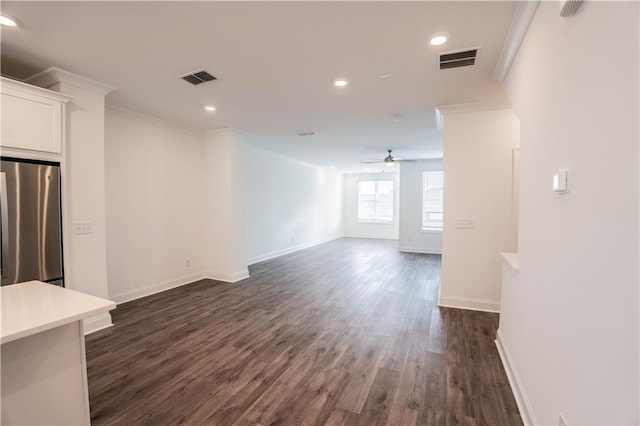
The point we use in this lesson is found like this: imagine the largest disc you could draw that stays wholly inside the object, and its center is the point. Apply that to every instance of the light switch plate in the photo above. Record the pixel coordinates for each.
(463, 223)
(560, 181)
(81, 228)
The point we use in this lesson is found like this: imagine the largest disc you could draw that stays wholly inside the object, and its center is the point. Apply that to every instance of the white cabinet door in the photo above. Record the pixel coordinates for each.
(32, 117)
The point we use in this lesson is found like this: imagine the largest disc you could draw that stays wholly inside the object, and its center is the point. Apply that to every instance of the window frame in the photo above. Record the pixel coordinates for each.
(430, 229)
(393, 202)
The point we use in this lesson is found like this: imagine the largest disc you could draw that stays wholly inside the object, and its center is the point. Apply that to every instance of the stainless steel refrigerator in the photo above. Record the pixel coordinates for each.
(30, 210)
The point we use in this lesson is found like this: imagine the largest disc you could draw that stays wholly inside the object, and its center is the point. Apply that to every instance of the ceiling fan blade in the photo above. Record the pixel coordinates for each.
(372, 162)
(410, 159)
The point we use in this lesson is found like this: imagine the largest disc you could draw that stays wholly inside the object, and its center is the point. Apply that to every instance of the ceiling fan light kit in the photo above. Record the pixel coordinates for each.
(390, 160)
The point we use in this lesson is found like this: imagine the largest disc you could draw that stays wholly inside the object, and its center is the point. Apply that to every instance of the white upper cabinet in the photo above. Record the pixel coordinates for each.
(33, 118)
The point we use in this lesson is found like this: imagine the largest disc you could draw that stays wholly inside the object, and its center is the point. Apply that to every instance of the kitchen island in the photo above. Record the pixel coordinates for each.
(43, 374)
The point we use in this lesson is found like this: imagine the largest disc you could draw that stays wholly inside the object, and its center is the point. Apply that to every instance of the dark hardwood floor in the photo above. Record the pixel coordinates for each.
(348, 332)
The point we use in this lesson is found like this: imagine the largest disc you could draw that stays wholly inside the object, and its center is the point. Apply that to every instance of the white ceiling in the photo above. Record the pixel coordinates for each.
(275, 62)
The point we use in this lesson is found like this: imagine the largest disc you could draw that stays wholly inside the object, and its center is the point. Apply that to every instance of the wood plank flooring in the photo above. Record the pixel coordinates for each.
(348, 332)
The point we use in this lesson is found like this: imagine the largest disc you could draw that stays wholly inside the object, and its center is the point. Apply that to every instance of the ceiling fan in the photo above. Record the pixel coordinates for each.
(389, 160)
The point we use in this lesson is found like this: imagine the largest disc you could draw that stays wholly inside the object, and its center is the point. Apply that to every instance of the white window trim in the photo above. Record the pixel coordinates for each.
(431, 230)
(376, 222)
(422, 228)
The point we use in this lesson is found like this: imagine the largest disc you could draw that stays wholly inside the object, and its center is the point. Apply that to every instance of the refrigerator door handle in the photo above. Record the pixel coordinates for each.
(4, 212)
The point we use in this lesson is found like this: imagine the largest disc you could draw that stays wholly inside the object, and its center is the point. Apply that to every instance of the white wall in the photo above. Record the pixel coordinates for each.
(478, 149)
(355, 229)
(573, 337)
(226, 205)
(290, 206)
(155, 186)
(412, 237)
(83, 184)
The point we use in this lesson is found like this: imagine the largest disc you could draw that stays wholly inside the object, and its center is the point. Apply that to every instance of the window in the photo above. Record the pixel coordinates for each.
(432, 196)
(375, 200)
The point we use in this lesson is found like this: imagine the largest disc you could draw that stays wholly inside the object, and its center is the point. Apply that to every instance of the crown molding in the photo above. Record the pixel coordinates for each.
(230, 132)
(522, 17)
(53, 75)
(30, 88)
(442, 110)
(153, 121)
(290, 159)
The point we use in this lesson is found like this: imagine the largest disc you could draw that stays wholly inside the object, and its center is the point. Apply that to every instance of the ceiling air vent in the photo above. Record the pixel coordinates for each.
(198, 77)
(306, 133)
(458, 59)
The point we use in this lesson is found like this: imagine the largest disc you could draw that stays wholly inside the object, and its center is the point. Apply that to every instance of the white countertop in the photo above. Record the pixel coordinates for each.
(511, 260)
(32, 307)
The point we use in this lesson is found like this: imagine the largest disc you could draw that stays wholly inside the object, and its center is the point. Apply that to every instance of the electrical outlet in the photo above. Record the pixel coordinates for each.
(562, 421)
(81, 228)
(465, 223)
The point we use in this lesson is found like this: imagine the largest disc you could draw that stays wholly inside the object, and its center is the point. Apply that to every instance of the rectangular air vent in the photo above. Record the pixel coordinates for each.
(458, 59)
(198, 77)
(306, 133)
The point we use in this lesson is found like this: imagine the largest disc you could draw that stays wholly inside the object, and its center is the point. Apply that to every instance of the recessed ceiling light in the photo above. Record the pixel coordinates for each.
(340, 82)
(383, 76)
(209, 108)
(437, 40)
(7, 21)
(333, 167)
(366, 169)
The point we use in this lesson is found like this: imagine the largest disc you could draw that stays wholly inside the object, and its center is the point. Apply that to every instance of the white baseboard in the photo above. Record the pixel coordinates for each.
(278, 253)
(524, 406)
(420, 250)
(99, 322)
(228, 278)
(156, 288)
(373, 236)
(470, 304)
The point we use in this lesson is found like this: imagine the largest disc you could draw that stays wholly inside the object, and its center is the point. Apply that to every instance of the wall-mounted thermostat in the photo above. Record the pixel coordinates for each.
(560, 181)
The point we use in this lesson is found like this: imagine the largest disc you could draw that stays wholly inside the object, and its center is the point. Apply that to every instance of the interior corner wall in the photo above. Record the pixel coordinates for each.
(411, 236)
(290, 206)
(477, 148)
(353, 228)
(155, 209)
(573, 337)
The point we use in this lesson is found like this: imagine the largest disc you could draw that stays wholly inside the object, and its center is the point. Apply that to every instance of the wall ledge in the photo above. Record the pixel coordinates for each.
(524, 406)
